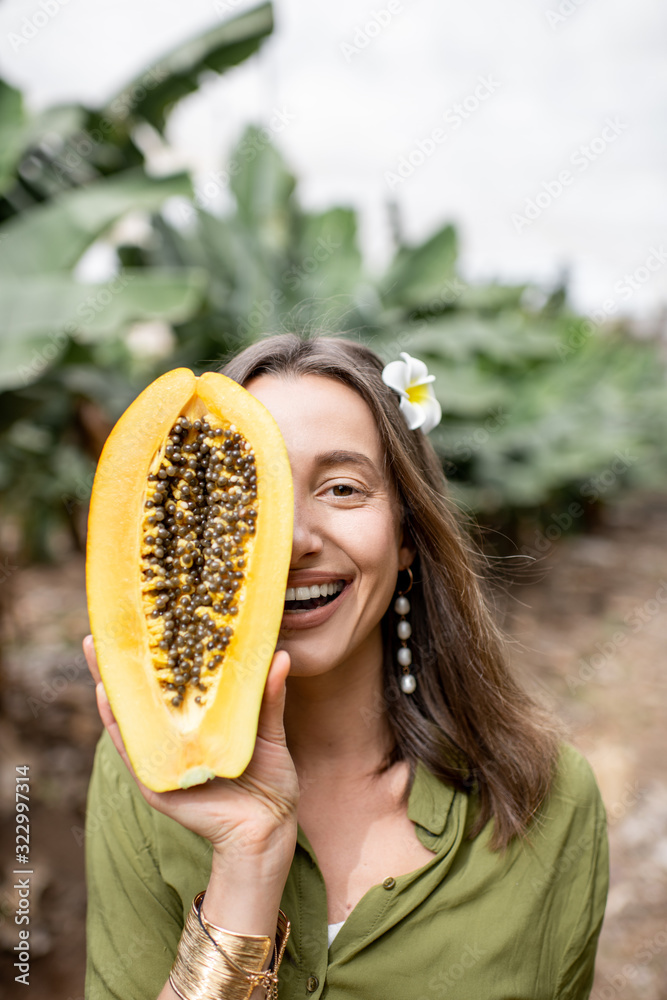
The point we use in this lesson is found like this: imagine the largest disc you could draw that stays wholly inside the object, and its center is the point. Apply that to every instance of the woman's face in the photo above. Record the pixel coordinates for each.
(347, 535)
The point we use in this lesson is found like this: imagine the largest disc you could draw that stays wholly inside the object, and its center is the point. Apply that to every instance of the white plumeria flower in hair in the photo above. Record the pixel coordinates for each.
(411, 380)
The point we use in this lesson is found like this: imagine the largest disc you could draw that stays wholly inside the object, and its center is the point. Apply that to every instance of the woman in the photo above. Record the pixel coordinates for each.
(403, 790)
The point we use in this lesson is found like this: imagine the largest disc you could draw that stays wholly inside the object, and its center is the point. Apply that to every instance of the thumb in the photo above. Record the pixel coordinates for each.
(271, 726)
(91, 658)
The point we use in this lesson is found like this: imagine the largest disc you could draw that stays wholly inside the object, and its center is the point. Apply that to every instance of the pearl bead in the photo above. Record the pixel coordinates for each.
(404, 656)
(408, 683)
(401, 605)
(404, 630)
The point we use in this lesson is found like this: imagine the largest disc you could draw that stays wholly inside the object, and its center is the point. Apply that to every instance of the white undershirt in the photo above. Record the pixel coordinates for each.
(332, 930)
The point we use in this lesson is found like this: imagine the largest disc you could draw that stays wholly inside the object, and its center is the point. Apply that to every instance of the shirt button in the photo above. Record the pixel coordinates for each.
(389, 883)
(312, 983)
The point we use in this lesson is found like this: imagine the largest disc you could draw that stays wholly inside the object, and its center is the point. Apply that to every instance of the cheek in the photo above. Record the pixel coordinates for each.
(372, 544)
(370, 539)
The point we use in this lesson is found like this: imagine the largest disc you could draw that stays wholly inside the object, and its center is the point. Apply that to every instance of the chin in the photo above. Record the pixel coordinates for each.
(304, 665)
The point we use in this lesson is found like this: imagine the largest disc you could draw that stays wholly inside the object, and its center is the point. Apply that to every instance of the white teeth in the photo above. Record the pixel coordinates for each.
(315, 590)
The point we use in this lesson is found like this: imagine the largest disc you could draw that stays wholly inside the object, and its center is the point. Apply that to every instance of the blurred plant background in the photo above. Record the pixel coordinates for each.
(545, 411)
(536, 399)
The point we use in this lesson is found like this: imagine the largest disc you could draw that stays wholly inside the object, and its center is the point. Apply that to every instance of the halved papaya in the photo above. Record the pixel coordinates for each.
(189, 545)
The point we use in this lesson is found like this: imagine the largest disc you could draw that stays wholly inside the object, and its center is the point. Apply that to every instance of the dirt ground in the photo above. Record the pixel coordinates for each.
(589, 634)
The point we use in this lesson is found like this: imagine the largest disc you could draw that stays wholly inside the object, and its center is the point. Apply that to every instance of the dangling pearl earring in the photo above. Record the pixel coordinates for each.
(404, 630)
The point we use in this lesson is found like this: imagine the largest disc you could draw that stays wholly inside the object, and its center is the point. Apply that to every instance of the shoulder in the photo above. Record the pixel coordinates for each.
(114, 798)
(134, 916)
(569, 834)
(574, 775)
(116, 809)
(111, 775)
(120, 821)
(574, 794)
(571, 878)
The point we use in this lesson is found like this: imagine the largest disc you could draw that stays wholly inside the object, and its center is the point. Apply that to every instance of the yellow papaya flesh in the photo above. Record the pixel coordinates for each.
(188, 552)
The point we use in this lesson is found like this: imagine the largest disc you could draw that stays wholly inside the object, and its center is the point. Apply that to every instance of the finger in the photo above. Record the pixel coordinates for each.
(91, 658)
(104, 707)
(271, 725)
(109, 720)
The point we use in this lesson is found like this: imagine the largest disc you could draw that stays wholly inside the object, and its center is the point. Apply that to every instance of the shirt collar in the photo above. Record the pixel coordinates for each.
(430, 801)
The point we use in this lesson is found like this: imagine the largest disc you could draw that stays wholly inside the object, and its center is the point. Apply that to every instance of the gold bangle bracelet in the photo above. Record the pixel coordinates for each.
(213, 962)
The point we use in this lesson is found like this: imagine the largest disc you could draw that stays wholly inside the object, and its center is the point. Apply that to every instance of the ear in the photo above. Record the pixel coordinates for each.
(407, 549)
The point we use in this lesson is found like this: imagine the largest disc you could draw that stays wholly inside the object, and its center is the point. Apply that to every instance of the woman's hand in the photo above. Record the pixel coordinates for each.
(249, 820)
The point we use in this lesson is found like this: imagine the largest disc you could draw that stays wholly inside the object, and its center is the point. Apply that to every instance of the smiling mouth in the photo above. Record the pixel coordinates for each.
(294, 605)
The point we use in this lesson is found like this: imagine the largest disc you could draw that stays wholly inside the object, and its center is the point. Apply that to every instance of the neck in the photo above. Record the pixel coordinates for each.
(335, 723)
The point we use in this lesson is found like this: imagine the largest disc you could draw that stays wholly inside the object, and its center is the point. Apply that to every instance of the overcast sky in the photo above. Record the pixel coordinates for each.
(537, 126)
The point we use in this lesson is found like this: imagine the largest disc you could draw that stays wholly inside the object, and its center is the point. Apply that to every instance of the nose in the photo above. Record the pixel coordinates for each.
(307, 539)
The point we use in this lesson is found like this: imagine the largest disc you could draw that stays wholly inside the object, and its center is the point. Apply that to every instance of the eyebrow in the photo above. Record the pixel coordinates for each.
(330, 458)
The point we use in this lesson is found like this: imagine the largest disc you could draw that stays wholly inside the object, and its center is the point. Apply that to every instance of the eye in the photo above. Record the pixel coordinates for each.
(343, 490)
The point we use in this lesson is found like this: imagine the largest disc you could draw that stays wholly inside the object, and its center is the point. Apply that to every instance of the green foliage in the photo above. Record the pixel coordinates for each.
(53, 236)
(416, 275)
(152, 95)
(539, 404)
(67, 367)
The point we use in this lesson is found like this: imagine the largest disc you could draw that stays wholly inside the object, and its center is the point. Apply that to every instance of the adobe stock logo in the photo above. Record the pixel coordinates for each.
(555, 187)
(453, 117)
(367, 32)
(564, 9)
(32, 25)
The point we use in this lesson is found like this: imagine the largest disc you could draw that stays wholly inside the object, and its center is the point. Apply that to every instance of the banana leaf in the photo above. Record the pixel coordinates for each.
(53, 236)
(152, 94)
(43, 313)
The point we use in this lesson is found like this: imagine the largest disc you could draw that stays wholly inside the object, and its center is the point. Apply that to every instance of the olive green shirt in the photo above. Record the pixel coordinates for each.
(471, 924)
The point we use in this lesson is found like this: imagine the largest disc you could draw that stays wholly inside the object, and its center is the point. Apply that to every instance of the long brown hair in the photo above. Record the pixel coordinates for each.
(469, 722)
